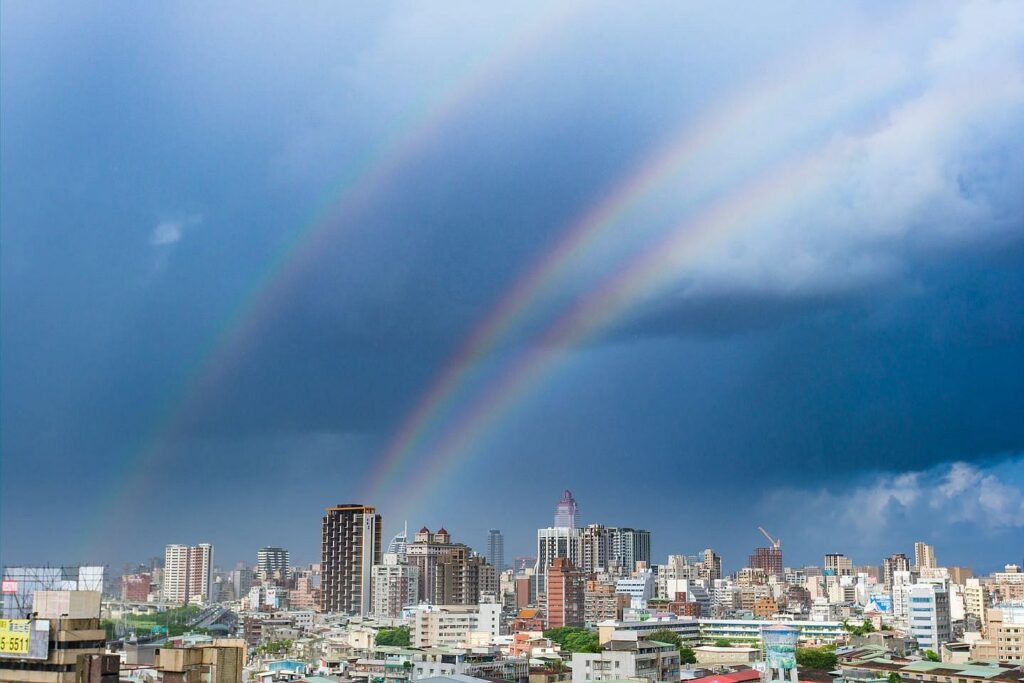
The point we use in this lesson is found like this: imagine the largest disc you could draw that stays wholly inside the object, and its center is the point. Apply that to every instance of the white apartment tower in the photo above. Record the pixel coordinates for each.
(188, 571)
(395, 586)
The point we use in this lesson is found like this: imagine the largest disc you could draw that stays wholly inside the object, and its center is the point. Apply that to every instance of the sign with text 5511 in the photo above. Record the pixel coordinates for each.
(24, 638)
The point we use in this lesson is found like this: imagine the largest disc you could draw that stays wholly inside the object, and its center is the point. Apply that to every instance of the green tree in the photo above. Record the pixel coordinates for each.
(723, 642)
(932, 656)
(393, 636)
(894, 677)
(574, 639)
(817, 658)
(663, 635)
(687, 655)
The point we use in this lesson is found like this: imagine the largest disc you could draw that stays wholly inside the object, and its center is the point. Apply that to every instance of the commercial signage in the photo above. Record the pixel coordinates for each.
(10, 587)
(24, 638)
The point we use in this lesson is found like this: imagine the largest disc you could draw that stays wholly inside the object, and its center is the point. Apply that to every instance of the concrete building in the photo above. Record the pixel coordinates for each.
(713, 656)
(748, 631)
(602, 603)
(566, 595)
(188, 573)
(450, 573)
(630, 546)
(350, 546)
(639, 587)
(271, 561)
(628, 657)
(688, 629)
(552, 543)
(896, 562)
(395, 586)
(928, 618)
(67, 625)
(711, 566)
(1004, 634)
(838, 564)
(135, 587)
(767, 559)
(924, 556)
(976, 601)
(453, 625)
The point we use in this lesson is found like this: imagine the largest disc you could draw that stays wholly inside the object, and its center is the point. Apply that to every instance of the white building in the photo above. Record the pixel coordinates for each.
(628, 657)
(452, 625)
(687, 628)
(639, 588)
(928, 617)
(556, 542)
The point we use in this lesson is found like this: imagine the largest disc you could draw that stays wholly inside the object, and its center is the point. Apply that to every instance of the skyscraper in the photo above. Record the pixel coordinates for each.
(630, 546)
(711, 566)
(552, 543)
(496, 549)
(351, 545)
(270, 560)
(566, 511)
(924, 556)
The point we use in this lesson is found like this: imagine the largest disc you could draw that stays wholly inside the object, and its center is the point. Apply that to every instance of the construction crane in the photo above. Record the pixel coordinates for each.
(776, 542)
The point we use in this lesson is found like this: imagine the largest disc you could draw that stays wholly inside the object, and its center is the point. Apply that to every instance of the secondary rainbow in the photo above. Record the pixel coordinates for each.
(687, 147)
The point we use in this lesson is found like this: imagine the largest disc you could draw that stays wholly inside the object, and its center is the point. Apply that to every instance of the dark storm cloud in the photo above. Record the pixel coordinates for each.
(159, 162)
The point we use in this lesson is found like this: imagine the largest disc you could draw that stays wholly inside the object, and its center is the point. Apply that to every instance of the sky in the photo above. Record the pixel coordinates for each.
(711, 266)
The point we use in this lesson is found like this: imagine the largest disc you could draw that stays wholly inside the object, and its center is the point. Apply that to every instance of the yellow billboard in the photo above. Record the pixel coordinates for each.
(15, 636)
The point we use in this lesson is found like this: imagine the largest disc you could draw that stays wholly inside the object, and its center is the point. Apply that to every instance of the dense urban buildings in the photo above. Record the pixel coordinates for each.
(350, 547)
(566, 594)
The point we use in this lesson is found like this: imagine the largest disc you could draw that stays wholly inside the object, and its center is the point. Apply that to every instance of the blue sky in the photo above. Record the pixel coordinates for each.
(830, 343)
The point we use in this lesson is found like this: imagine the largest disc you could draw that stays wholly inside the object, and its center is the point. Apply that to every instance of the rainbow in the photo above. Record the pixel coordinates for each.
(773, 190)
(688, 148)
(265, 295)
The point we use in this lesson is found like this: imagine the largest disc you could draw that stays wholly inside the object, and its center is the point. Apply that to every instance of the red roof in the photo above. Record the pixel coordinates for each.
(424, 530)
(734, 677)
(442, 530)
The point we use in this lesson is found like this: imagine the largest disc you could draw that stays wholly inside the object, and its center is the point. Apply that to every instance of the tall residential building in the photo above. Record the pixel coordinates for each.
(552, 543)
(976, 601)
(897, 562)
(449, 573)
(496, 549)
(566, 511)
(270, 560)
(566, 594)
(630, 546)
(768, 559)
(924, 555)
(200, 572)
(350, 546)
(595, 548)
(928, 617)
(1004, 634)
(188, 573)
(176, 574)
(395, 586)
(838, 564)
(711, 566)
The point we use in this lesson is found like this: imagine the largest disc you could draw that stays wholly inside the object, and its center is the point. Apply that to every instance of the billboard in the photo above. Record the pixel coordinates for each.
(780, 646)
(9, 587)
(881, 603)
(24, 638)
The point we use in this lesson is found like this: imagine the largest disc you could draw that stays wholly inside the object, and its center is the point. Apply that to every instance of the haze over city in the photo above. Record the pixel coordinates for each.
(711, 267)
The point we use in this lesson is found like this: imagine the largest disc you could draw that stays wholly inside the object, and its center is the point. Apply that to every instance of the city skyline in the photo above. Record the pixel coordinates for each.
(709, 267)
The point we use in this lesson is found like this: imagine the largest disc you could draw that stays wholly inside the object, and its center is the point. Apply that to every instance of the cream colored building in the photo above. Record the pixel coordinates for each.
(1004, 634)
(710, 655)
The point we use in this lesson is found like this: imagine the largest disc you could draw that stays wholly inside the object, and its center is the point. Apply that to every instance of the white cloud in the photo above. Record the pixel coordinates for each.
(167, 232)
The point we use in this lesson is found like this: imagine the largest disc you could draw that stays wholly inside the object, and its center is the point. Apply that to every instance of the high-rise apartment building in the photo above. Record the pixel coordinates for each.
(188, 573)
(395, 586)
(768, 559)
(838, 564)
(496, 549)
(566, 594)
(566, 511)
(270, 561)
(924, 556)
(449, 573)
(711, 566)
(630, 546)
(552, 543)
(350, 546)
(897, 562)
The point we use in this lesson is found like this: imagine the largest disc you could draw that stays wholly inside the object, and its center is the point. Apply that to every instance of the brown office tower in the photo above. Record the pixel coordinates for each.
(566, 594)
(351, 546)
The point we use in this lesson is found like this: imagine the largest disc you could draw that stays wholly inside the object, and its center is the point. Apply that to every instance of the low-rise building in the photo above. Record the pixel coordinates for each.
(452, 625)
(630, 657)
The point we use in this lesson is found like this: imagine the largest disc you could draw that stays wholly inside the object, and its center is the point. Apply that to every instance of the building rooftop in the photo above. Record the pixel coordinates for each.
(731, 677)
